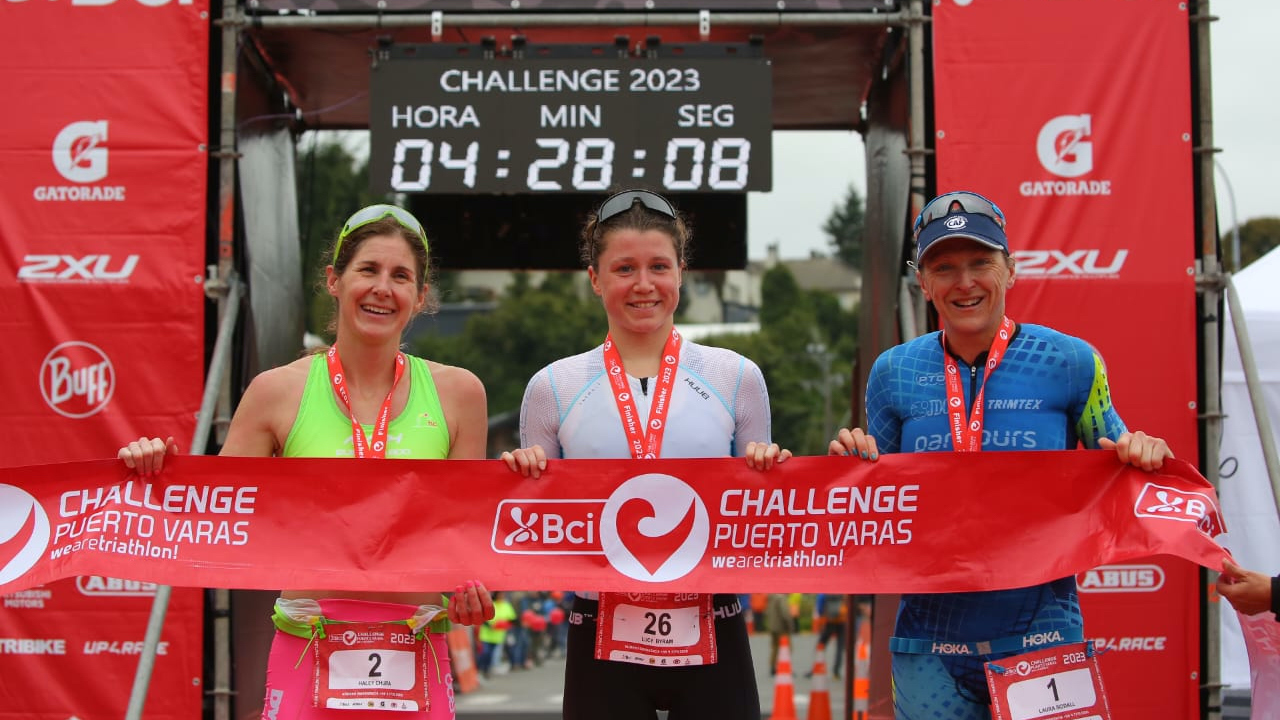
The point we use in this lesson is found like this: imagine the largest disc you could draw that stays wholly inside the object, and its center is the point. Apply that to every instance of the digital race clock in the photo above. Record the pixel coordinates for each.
(512, 125)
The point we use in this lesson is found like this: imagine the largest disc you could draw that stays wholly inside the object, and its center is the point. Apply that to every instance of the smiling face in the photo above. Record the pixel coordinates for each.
(637, 276)
(379, 291)
(966, 282)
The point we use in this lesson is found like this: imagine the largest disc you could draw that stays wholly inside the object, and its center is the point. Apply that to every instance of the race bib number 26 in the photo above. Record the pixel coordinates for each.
(1058, 683)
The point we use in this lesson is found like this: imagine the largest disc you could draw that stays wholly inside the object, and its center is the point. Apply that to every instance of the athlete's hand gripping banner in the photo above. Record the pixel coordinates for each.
(908, 523)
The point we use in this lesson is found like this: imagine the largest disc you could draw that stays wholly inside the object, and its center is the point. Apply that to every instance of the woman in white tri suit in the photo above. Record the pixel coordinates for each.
(683, 400)
(367, 399)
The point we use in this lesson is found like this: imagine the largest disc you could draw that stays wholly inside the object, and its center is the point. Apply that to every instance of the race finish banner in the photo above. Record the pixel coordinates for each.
(1100, 209)
(908, 523)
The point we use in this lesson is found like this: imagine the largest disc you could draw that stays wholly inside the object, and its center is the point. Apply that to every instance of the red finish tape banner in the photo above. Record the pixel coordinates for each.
(931, 522)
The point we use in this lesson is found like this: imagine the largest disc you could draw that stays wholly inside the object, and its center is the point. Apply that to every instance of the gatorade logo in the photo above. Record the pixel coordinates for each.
(24, 532)
(654, 528)
(1063, 146)
(80, 152)
(77, 379)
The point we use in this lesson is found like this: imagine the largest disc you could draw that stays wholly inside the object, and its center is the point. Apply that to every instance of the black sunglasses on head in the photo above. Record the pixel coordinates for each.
(621, 202)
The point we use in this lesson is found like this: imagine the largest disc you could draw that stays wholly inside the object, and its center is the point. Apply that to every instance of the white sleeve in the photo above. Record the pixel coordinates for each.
(750, 409)
(540, 416)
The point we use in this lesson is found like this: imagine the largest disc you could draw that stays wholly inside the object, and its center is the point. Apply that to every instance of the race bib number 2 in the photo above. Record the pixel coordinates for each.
(374, 666)
(1058, 683)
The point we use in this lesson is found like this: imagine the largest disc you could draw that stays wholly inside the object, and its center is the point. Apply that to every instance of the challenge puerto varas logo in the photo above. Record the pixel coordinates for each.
(79, 154)
(652, 528)
(77, 379)
(24, 532)
(1064, 147)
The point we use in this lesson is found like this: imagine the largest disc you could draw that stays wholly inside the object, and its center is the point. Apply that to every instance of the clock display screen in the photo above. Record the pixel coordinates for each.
(463, 126)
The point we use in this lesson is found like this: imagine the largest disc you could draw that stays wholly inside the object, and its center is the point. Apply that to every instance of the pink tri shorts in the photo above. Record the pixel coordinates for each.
(289, 689)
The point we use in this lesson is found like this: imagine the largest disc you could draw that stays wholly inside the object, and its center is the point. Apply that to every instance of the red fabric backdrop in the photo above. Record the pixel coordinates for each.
(1076, 119)
(101, 250)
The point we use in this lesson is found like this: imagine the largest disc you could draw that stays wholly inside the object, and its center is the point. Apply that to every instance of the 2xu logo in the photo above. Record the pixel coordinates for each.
(1121, 578)
(1077, 263)
(69, 268)
(77, 379)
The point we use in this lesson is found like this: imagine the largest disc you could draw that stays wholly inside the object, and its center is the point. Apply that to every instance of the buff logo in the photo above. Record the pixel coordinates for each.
(79, 154)
(944, 648)
(24, 532)
(1044, 638)
(1167, 503)
(77, 379)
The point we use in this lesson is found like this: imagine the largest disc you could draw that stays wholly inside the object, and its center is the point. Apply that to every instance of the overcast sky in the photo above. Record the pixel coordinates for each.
(812, 169)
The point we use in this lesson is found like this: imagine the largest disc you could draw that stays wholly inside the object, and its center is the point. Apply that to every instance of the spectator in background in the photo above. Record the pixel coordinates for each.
(833, 612)
(779, 622)
(493, 633)
(1249, 592)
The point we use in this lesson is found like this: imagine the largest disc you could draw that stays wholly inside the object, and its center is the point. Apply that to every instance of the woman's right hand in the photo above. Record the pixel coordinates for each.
(529, 462)
(146, 455)
(855, 442)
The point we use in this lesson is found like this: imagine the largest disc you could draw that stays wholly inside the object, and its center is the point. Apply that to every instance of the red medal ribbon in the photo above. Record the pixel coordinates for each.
(378, 447)
(643, 443)
(967, 436)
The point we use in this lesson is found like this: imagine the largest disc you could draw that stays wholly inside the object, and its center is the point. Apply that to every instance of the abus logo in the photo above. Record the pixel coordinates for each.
(1166, 503)
(24, 532)
(547, 527)
(1121, 578)
(77, 379)
(1062, 146)
(100, 586)
(69, 268)
(1075, 265)
(654, 528)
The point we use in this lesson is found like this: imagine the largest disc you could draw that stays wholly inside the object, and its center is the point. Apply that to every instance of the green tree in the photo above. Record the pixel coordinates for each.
(845, 226)
(1257, 237)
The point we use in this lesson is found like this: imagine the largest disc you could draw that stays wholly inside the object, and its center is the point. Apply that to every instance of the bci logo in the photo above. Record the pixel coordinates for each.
(1077, 263)
(1121, 578)
(556, 527)
(69, 268)
(1167, 503)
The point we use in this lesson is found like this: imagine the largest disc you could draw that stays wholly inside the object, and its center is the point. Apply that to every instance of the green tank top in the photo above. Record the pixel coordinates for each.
(322, 430)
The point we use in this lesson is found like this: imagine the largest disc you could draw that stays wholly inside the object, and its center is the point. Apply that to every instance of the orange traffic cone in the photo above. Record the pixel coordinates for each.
(784, 701)
(862, 671)
(819, 696)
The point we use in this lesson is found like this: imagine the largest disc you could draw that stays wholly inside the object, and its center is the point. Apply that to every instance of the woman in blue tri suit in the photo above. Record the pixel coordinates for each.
(982, 383)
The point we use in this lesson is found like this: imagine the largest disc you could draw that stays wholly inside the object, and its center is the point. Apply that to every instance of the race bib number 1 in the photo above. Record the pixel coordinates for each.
(373, 666)
(661, 629)
(1058, 683)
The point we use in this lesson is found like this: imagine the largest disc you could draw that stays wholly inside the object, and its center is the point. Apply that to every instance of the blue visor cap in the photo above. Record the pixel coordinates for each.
(974, 226)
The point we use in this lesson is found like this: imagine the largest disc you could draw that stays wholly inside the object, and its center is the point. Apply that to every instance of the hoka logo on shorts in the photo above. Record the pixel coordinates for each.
(946, 648)
(548, 527)
(1043, 638)
(24, 532)
(1167, 503)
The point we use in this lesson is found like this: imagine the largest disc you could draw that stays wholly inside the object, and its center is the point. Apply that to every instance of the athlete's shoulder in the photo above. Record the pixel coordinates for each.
(454, 382)
(713, 355)
(1070, 346)
(916, 348)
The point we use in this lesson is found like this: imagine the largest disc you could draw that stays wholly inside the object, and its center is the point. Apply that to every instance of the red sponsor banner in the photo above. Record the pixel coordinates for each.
(1081, 131)
(69, 649)
(102, 246)
(908, 523)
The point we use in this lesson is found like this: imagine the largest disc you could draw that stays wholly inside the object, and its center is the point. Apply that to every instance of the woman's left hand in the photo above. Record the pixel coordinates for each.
(762, 456)
(1139, 450)
(470, 604)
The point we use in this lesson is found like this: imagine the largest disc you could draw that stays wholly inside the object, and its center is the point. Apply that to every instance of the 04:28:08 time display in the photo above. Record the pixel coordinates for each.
(584, 164)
